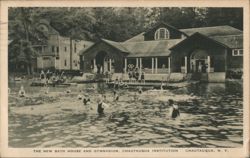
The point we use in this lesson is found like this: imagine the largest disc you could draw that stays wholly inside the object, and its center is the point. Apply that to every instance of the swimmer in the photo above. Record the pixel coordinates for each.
(100, 108)
(21, 92)
(161, 86)
(174, 110)
(86, 101)
(140, 90)
(116, 96)
(47, 90)
(104, 97)
(79, 97)
(135, 97)
(68, 91)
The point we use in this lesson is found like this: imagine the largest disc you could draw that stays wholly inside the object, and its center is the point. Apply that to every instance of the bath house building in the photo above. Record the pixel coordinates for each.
(165, 50)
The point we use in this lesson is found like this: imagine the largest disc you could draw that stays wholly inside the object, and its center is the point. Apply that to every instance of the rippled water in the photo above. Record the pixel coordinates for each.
(211, 116)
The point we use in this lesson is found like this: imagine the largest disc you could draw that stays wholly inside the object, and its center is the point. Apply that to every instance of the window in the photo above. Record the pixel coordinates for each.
(75, 47)
(53, 49)
(161, 33)
(65, 49)
(57, 49)
(65, 62)
(57, 58)
(237, 52)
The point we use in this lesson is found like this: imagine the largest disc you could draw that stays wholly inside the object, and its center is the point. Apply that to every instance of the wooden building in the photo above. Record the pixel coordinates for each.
(164, 49)
(60, 53)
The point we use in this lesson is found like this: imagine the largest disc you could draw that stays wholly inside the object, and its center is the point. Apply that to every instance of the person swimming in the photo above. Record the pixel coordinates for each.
(68, 91)
(116, 96)
(79, 97)
(135, 96)
(140, 90)
(47, 90)
(174, 111)
(100, 108)
(21, 92)
(86, 101)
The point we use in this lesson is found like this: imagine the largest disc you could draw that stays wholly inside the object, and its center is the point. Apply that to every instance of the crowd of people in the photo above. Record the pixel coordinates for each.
(101, 100)
(52, 77)
(134, 75)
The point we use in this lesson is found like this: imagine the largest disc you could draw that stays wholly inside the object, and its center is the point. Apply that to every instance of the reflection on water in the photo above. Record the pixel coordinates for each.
(213, 119)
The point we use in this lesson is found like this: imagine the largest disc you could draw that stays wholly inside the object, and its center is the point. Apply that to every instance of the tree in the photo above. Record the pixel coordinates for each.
(225, 16)
(24, 36)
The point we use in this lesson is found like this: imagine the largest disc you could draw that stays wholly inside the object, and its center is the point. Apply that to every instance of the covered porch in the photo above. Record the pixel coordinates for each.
(148, 65)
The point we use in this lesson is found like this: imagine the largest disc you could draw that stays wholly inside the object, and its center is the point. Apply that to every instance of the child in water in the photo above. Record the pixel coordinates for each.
(21, 92)
(174, 110)
(116, 96)
(86, 100)
(100, 108)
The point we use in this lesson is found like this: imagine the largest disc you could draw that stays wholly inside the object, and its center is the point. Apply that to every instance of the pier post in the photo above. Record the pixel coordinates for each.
(156, 65)
(185, 64)
(125, 63)
(152, 65)
(110, 65)
(136, 63)
(169, 65)
(140, 65)
(208, 63)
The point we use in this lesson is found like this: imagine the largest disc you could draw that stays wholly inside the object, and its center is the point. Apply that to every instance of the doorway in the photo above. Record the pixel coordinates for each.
(198, 61)
(100, 61)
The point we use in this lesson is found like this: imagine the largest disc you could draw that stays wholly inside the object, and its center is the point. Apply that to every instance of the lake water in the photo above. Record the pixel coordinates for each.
(211, 116)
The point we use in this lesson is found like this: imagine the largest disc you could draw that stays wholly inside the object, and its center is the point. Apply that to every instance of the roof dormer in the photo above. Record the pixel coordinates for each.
(163, 31)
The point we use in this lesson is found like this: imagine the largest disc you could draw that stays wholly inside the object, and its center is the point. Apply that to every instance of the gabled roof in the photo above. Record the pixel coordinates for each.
(137, 38)
(117, 45)
(165, 24)
(142, 48)
(231, 41)
(224, 41)
(150, 48)
(213, 31)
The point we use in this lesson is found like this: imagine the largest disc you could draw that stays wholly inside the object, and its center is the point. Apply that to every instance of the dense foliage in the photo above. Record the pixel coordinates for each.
(117, 24)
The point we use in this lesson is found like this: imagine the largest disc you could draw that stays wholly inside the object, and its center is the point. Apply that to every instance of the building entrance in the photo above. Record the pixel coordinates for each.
(199, 61)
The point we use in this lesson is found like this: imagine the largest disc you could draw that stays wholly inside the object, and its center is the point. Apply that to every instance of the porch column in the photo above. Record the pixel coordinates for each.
(185, 64)
(55, 63)
(156, 65)
(42, 62)
(136, 63)
(125, 62)
(169, 65)
(140, 64)
(152, 65)
(94, 62)
(95, 68)
(208, 63)
(110, 64)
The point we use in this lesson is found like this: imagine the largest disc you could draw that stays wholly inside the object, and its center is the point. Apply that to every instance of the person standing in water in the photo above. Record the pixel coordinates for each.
(142, 78)
(21, 92)
(100, 108)
(174, 110)
(116, 96)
